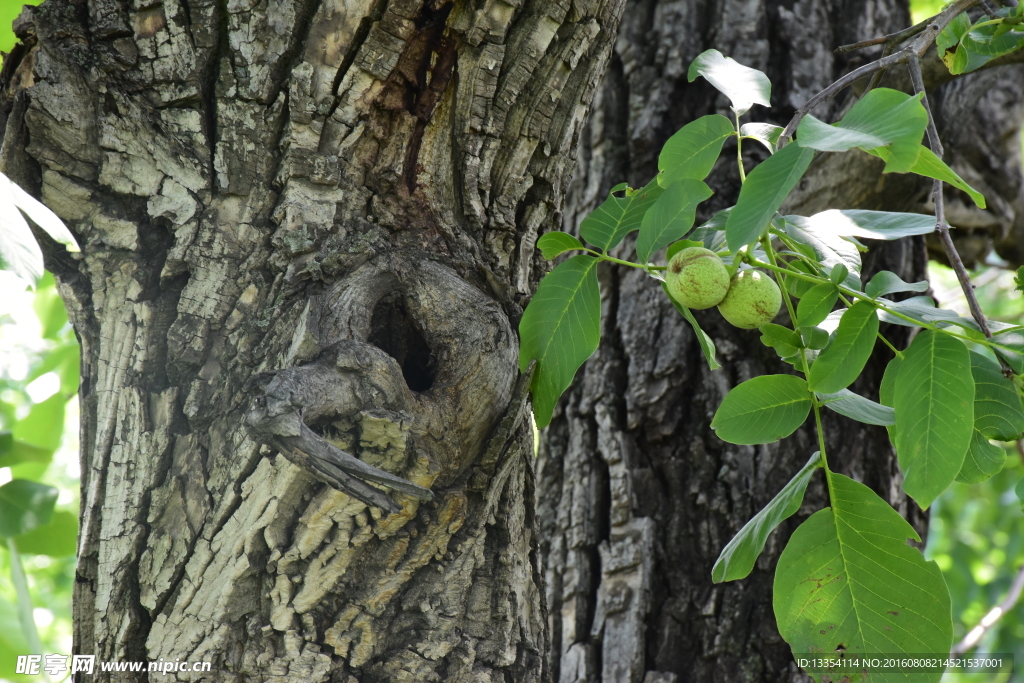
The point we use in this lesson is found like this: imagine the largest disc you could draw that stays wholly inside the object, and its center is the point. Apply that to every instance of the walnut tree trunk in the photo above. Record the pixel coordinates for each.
(637, 496)
(342, 191)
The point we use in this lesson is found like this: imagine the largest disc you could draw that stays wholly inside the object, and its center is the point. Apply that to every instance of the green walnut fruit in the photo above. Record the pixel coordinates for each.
(697, 278)
(753, 300)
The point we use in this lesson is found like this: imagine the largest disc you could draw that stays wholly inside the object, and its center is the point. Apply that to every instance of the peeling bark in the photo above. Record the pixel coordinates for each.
(637, 495)
(348, 191)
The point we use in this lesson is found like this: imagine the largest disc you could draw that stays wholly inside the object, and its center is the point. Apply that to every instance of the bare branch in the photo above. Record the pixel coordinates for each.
(916, 49)
(892, 39)
(941, 227)
(989, 7)
(994, 615)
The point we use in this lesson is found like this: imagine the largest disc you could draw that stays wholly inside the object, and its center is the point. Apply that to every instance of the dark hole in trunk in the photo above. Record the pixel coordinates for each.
(394, 331)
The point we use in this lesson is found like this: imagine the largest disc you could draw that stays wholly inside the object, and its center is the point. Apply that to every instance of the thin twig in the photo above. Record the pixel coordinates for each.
(917, 48)
(876, 77)
(892, 38)
(989, 8)
(941, 227)
(994, 615)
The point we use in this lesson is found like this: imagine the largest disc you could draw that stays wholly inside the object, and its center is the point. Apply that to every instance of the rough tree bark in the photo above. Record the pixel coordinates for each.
(349, 189)
(637, 495)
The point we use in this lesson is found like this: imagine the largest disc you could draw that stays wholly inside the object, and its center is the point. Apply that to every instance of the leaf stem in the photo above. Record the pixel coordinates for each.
(739, 150)
(767, 244)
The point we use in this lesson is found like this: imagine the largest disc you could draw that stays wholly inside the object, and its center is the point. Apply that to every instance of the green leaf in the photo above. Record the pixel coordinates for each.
(885, 282)
(765, 133)
(744, 86)
(762, 410)
(838, 274)
(934, 403)
(44, 424)
(816, 304)
(25, 505)
(829, 248)
(997, 406)
(981, 44)
(763, 193)
(712, 231)
(848, 581)
(886, 391)
(1009, 344)
(931, 166)
(784, 340)
(19, 451)
(874, 225)
(1018, 279)
(618, 216)
(882, 118)
(738, 557)
(57, 538)
(798, 287)
(677, 247)
(694, 149)
(983, 460)
(554, 243)
(814, 338)
(842, 360)
(856, 407)
(561, 329)
(950, 35)
(670, 217)
(919, 308)
(707, 345)
(49, 307)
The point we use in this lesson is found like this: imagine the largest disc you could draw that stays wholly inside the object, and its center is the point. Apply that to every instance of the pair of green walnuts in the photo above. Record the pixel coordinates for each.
(698, 279)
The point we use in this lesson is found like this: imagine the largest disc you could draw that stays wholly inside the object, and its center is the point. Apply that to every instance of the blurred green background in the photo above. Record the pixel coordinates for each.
(976, 537)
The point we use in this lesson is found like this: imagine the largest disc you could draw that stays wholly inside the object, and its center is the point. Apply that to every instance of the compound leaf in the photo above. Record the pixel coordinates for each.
(882, 118)
(744, 86)
(56, 538)
(874, 225)
(828, 246)
(933, 397)
(694, 149)
(671, 216)
(842, 360)
(764, 191)
(561, 328)
(707, 345)
(983, 460)
(765, 133)
(997, 405)
(618, 216)
(762, 410)
(25, 505)
(739, 555)
(885, 282)
(554, 243)
(848, 581)
(856, 407)
(816, 304)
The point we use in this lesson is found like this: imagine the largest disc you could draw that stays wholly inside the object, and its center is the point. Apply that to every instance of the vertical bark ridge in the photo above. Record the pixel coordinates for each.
(250, 183)
(629, 576)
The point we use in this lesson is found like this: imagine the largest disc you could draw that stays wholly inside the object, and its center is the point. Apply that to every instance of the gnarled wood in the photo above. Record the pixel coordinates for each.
(345, 194)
